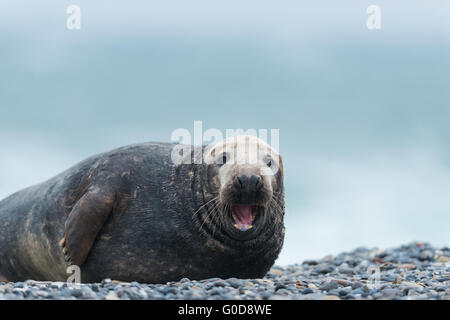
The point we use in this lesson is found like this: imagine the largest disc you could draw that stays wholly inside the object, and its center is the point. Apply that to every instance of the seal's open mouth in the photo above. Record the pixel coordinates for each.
(243, 216)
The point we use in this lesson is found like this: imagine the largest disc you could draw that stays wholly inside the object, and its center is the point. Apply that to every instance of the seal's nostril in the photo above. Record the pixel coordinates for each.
(238, 184)
(255, 182)
(259, 184)
(242, 181)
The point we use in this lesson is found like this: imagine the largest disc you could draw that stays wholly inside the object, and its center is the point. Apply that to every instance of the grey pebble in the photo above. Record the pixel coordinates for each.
(329, 285)
(76, 293)
(324, 269)
(235, 283)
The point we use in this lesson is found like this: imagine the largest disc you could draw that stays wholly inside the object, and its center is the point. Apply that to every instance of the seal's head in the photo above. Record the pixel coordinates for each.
(246, 174)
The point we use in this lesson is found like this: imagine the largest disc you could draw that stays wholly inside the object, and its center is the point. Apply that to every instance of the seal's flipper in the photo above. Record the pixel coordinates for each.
(84, 222)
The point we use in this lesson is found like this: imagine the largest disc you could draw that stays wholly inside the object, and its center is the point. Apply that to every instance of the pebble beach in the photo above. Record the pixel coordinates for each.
(417, 271)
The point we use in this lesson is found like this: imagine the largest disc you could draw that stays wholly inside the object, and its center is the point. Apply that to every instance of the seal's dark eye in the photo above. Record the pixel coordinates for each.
(224, 158)
(269, 161)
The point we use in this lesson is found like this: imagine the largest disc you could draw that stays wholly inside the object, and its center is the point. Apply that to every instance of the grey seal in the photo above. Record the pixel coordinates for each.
(132, 214)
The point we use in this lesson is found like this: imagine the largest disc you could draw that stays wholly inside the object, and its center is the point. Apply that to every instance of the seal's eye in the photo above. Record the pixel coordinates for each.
(269, 161)
(222, 159)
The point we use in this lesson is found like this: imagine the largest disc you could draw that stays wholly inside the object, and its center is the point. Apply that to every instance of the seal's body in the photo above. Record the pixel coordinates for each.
(131, 214)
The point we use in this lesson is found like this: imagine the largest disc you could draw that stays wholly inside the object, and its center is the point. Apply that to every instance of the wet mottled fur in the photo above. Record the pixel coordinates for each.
(132, 215)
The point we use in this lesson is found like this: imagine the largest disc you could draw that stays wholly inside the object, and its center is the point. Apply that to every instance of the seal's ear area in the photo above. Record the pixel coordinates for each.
(281, 166)
(281, 169)
(84, 223)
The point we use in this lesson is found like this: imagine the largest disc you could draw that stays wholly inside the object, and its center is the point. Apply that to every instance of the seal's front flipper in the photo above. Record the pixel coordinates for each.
(84, 223)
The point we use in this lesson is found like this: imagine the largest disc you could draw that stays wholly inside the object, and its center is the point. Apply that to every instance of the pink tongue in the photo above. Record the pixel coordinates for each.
(243, 213)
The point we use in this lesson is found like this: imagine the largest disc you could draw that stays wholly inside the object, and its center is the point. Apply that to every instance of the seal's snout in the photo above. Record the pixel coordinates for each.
(247, 188)
(248, 197)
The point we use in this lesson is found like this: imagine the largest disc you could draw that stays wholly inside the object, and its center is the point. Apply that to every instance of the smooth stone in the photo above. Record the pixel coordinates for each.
(329, 285)
(332, 298)
(390, 292)
(356, 285)
(76, 293)
(324, 269)
(307, 291)
(235, 283)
